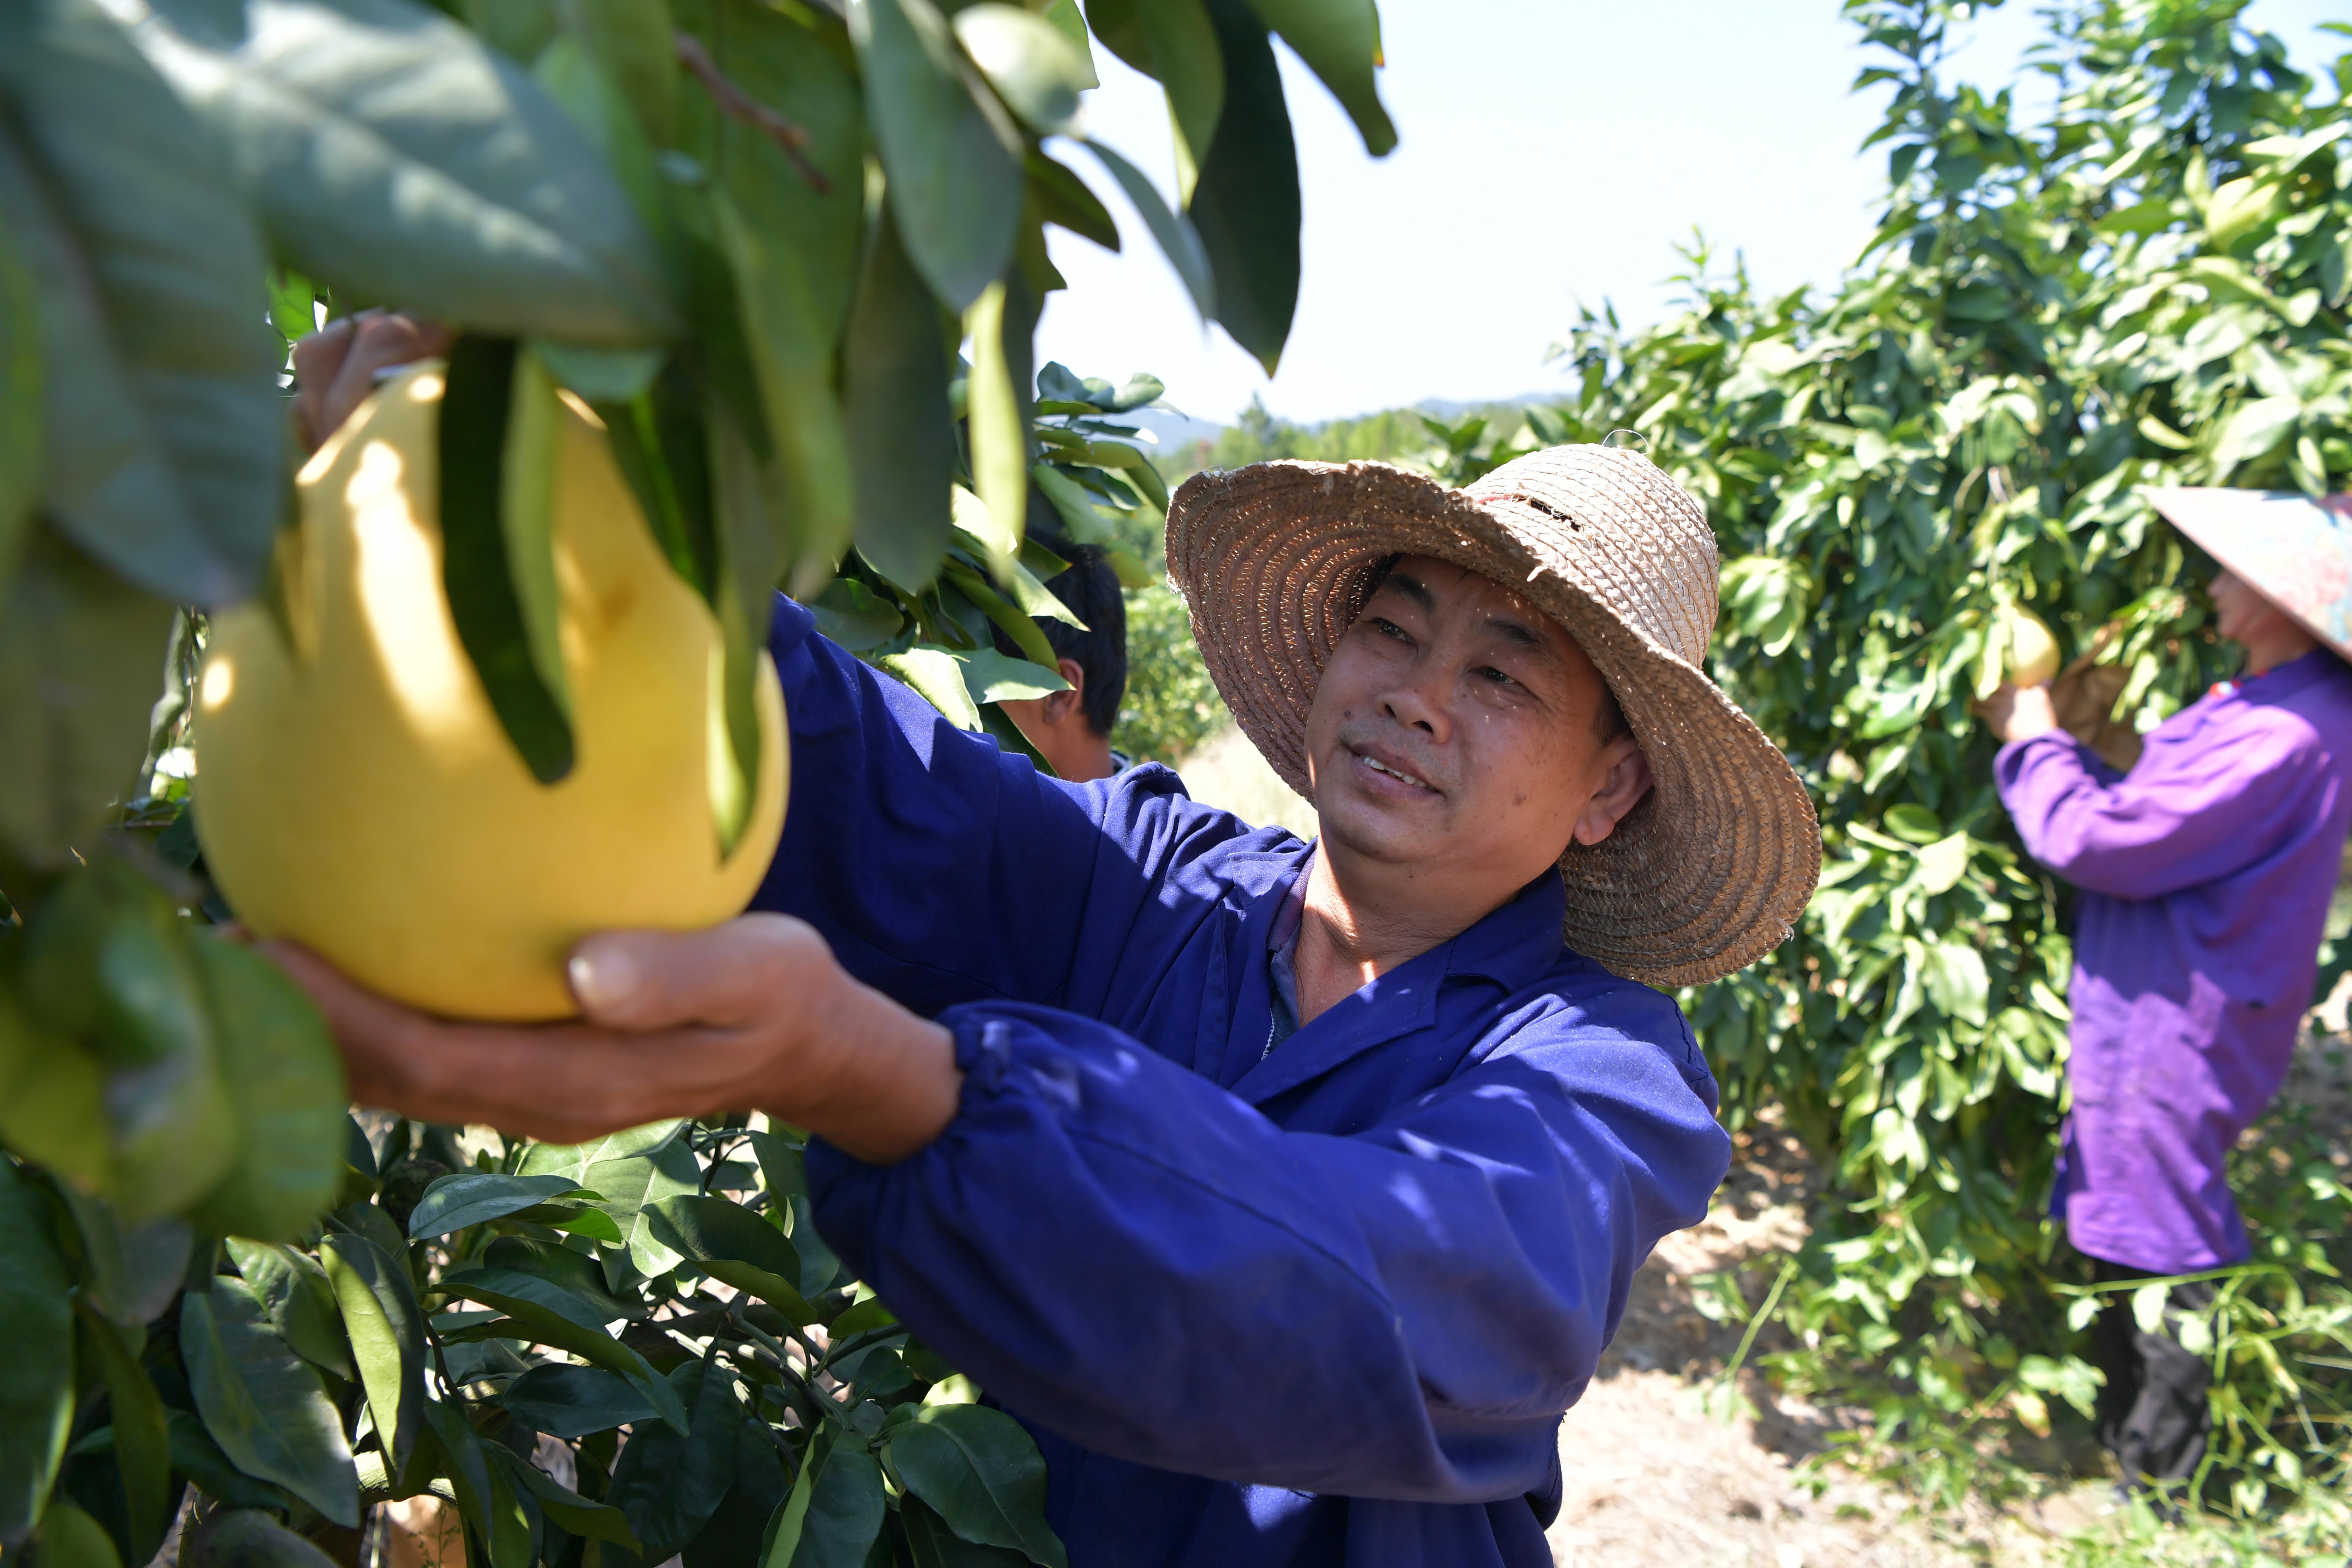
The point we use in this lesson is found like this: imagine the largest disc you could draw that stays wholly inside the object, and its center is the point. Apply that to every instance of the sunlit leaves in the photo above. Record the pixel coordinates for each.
(1245, 204)
(263, 1404)
(392, 156)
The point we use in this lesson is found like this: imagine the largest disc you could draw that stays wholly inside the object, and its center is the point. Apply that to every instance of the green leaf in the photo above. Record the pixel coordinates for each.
(386, 1331)
(565, 1401)
(1059, 197)
(300, 1301)
(475, 1197)
(902, 440)
(930, 1544)
(1956, 982)
(79, 657)
(247, 1538)
(129, 1272)
(736, 1247)
(950, 154)
(579, 1515)
(854, 617)
(394, 157)
(1176, 233)
(262, 1404)
(1028, 60)
(195, 1456)
(632, 42)
(551, 1314)
(1341, 42)
(1942, 863)
(980, 1471)
(752, 535)
(37, 1395)
(937, 679)
(841, 1507)
(21, 382)
(68, 1538)
(286, 1081)
(143, 1441)
(631, 1170)
(993, 677)
(2253, 430)
(999, 428)
(498, 460)
(165, 437)
(669, 1482)
(1246, 206)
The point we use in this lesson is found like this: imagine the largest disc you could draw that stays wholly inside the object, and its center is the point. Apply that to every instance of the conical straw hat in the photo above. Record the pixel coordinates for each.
(1711, 871)
(2293, 548)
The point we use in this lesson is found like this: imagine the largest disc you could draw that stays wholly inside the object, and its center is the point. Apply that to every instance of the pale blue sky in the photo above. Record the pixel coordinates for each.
(1552, 151)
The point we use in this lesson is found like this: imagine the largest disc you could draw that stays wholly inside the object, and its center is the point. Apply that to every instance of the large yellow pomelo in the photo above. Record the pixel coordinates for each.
(2032, 651)
(354, 791)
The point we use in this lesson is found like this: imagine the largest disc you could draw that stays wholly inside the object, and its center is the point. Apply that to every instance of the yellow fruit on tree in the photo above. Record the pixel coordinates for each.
(2032, 651)
(354, 790)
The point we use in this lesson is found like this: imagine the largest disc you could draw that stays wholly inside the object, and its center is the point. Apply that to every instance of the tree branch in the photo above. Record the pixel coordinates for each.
(739, 105)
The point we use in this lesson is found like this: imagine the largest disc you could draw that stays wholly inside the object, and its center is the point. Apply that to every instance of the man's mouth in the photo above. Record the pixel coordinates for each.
(1392, 775)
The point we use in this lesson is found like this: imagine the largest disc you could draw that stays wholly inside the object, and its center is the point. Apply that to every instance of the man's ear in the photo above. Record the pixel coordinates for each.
(1062, 704)
(1624, 780)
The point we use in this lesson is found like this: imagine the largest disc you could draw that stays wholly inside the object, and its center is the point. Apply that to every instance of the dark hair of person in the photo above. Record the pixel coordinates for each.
(1607, 722)
(1091, 590)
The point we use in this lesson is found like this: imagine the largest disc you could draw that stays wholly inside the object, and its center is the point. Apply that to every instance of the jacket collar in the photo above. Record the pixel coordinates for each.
(1513, 947)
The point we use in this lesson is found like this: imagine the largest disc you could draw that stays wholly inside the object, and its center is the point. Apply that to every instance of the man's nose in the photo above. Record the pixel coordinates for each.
(1415, 703)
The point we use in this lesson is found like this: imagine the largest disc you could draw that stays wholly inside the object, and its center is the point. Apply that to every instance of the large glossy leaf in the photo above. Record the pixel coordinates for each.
(631, 1169)
(731, 1243)
(549, 1314)
(579, 1515)
(70, 1538)
(261, 1402)
(1174, 41)
(53, 1102)
(951, 154)
(932, 1543)
(632, 41)
(566, 1401)
(286, 1081)
(142, 1442)
(80, 656)
(1246, 206)
(167, 1105)
(249, 1538)
(669, 1481)
(386, 1330)
(475, 1197)
(835, 1512)
(1027, 59)
(300, 1301)
(1341, 42)
(129, 1272)
(1173, 230)
(393, 156)
(901, 435)
(37, 1374)
(499, 431)
(997, 421)
(164, 436)
(980, 1471)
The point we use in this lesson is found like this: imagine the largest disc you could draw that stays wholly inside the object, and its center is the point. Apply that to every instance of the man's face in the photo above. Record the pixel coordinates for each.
(1459, 729)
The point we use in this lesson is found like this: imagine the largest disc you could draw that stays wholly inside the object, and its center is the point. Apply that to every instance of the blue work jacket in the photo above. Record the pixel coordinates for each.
(1321, 1305)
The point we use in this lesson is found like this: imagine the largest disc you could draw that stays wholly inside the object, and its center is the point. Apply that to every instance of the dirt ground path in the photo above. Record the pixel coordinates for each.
(1654, 1480)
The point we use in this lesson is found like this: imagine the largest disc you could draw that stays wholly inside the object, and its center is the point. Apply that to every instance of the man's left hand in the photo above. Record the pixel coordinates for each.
(752, 1014)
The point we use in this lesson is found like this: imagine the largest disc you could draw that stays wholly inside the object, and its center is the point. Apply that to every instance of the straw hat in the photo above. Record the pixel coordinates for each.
(1711, 869)
(2294, 550)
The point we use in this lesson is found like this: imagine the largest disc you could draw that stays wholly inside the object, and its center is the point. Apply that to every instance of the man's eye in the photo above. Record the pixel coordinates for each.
(1488, 672)
(1389, 628)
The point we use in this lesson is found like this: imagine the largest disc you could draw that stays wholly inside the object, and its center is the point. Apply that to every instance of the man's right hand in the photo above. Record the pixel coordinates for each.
(2019, 713)
(335, 368)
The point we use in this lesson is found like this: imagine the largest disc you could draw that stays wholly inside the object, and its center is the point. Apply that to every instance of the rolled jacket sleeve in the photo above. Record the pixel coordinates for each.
(2191, 812)
(1134, 1258)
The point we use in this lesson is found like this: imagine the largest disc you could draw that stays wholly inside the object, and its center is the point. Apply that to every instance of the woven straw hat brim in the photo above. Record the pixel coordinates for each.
(1707, 874)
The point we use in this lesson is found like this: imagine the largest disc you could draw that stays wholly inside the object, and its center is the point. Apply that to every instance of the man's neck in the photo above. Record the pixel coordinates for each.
(1364, 918)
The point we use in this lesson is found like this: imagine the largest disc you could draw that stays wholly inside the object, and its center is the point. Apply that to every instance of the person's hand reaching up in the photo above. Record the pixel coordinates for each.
(335, 368)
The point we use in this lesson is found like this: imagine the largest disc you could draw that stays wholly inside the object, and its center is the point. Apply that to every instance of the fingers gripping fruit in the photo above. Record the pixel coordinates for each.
(2032, 651)
(354, 790)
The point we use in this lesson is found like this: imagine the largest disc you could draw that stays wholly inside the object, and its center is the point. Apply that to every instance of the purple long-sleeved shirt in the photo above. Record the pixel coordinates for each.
(2206, 873)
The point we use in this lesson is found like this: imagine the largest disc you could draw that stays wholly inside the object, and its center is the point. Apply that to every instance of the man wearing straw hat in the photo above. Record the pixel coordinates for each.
(2206, 875)
(1287, 1191)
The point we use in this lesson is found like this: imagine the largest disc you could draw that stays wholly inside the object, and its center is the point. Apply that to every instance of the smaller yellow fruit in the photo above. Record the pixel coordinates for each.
(2032, 651)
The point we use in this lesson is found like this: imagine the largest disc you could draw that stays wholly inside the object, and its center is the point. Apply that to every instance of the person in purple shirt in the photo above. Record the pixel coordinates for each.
(1286, 1191)
(2206, 873)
